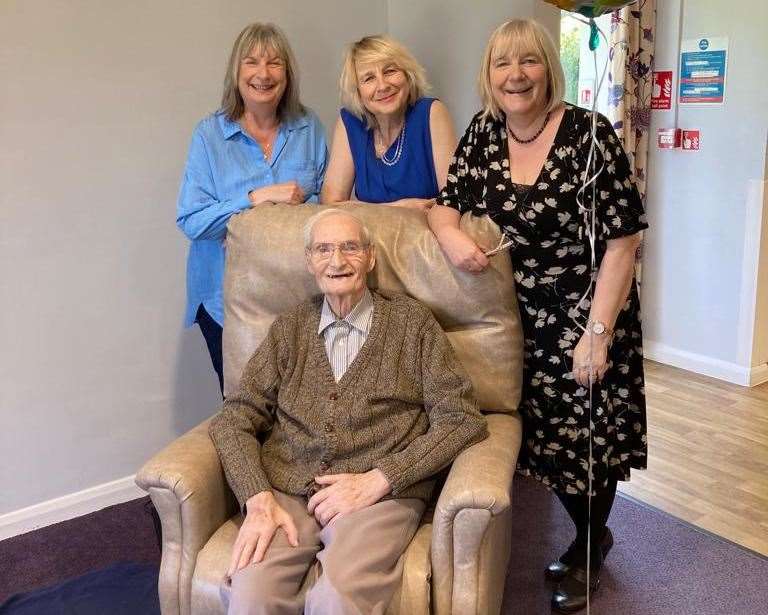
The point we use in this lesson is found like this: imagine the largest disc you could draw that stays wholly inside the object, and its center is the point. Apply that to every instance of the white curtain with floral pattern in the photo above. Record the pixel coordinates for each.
(630, 79)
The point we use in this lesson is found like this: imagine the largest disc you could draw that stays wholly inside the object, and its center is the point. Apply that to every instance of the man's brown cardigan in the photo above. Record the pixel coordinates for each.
(404, 406)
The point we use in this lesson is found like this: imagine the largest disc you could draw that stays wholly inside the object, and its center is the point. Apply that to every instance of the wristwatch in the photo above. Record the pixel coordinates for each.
(597, 327)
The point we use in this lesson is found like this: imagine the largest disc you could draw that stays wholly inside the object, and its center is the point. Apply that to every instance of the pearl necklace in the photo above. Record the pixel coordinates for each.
(534, 137)
(399, 142)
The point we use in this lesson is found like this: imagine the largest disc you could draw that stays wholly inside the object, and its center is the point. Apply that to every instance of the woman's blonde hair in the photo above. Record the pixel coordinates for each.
(518, 38)
(378, 49)
(261, 37)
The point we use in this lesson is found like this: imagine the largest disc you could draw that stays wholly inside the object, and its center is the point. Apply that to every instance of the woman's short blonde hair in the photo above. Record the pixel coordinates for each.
(378, 49)
(518, 38)
(260, 37)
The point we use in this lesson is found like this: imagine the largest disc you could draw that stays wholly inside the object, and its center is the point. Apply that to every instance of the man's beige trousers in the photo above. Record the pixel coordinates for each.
(359, 555)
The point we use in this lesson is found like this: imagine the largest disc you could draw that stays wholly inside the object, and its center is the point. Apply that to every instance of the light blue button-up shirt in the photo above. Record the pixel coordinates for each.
(223, 166)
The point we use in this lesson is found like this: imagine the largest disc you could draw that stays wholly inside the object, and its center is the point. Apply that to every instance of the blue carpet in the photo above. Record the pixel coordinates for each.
(120, 589)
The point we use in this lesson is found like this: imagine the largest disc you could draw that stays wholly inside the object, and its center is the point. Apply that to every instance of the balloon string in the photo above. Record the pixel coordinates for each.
(590, 223)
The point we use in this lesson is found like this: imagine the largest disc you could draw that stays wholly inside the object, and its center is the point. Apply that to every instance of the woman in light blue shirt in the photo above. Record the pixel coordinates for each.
(263, 145)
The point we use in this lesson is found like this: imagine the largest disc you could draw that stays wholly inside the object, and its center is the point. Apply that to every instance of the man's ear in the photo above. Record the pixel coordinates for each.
(372, 262)
(308, 260)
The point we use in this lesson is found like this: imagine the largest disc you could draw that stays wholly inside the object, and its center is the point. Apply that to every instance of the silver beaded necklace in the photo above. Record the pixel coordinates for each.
(399, 142)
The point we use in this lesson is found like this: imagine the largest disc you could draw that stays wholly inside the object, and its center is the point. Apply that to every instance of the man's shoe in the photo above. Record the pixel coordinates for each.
(557, 570)
(571, 593)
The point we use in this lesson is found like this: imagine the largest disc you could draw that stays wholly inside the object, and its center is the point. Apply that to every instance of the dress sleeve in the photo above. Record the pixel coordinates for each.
(620, 209)
(456, 193)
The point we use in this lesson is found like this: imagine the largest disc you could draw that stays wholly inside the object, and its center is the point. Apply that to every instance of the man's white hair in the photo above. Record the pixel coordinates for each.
(365, 233)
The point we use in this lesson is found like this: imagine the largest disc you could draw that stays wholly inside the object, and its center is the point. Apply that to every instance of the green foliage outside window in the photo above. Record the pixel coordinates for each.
(569, 57)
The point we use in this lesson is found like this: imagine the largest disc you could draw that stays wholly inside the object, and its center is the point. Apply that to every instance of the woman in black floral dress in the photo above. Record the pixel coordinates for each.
(522, 161)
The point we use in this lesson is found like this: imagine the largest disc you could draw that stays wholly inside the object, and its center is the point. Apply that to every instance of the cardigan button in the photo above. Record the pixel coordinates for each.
(328, 427)
(333, 396)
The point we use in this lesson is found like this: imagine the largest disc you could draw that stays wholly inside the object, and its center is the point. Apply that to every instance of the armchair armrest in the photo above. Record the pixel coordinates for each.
(472, 523)
(188, 488)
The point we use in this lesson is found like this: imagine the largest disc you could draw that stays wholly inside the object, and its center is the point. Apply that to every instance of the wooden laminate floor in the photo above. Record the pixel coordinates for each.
(708, 454)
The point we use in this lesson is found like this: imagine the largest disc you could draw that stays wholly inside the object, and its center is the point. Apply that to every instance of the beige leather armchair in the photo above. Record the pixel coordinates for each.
(457, 562)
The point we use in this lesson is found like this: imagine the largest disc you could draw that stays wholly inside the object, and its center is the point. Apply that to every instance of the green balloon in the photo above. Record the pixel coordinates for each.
(594, 35)
(595, 8)
(590, 11)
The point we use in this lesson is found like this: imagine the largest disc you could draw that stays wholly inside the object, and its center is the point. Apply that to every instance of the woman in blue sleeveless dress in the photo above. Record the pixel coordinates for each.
(391, 143)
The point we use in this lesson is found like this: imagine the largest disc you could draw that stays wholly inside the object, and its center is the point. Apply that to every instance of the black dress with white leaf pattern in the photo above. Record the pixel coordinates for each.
(551, 257)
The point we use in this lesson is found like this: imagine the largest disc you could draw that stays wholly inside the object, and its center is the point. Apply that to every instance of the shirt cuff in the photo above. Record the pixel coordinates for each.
(242, 202)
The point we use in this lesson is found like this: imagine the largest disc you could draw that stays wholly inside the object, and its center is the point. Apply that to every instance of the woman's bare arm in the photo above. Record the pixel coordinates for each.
(443, 140)
(340, 176)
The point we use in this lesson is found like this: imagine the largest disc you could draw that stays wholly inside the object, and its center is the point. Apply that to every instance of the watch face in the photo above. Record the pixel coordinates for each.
(598, 328)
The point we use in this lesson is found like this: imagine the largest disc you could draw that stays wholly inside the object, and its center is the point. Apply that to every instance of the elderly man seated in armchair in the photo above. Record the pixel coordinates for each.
(343, 415)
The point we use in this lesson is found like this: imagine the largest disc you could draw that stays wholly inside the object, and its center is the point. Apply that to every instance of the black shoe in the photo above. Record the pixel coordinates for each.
(557, 570)
(571, 593)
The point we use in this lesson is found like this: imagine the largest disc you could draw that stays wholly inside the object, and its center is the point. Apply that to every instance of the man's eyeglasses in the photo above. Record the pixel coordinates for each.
(324, 251)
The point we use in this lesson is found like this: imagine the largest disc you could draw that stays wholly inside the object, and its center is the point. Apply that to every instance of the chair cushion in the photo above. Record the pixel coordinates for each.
(266, 274)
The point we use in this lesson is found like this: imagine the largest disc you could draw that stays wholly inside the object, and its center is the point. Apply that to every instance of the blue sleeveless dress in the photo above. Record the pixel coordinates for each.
(414, 174)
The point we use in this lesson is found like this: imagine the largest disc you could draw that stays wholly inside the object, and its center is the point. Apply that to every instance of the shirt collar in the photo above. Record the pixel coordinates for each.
(230, 127)
(359, 317)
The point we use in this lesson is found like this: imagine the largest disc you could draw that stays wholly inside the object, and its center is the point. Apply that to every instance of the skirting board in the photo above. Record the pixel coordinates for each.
(701, 364)
(68, 507)
(758, 375)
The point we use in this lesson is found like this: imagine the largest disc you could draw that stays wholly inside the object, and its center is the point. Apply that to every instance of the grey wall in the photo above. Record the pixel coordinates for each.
(449, 37)
(694, 294)
(97, 105)
(96, 110)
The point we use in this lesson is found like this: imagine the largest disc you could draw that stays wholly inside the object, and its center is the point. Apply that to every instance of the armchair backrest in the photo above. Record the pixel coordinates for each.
(266, 275)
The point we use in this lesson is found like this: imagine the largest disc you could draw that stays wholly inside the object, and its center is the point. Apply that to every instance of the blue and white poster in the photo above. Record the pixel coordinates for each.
(703, 64)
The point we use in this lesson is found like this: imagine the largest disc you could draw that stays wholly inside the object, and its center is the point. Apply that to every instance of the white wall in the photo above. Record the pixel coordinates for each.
(699, 285)
(97, 105)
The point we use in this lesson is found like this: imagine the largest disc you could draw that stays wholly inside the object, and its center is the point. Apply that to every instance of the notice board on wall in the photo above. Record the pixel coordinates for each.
(703, 67)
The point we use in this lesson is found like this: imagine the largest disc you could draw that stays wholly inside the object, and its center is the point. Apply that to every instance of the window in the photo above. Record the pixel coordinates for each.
(579, 63)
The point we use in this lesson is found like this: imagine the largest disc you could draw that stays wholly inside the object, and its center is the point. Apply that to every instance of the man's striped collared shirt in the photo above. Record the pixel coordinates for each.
(344, 337)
